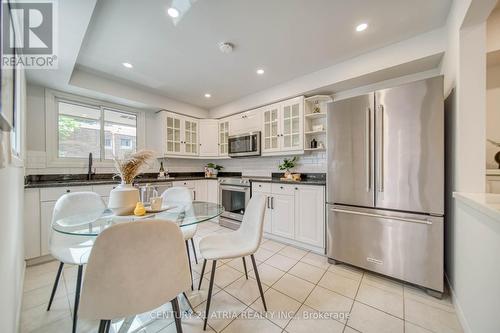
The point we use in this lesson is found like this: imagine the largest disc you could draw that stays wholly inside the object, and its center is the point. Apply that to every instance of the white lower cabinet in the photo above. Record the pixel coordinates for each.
(294, 213)
(310, 206)
(213, 190)
(200, 190)
(31, 223)
(46, 210)
(282, 215)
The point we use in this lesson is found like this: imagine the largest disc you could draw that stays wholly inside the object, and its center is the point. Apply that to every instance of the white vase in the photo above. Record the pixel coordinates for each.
(123, 198)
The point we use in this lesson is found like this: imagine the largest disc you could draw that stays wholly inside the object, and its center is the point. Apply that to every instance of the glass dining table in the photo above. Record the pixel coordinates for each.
(92, 223)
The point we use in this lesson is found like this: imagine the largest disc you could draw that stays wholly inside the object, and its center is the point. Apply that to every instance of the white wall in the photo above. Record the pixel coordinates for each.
(493, 115)
(466, 239)
(493, 35)
(11, 239)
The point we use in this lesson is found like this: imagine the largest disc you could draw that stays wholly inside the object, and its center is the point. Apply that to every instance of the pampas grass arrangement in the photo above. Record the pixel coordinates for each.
(133, 165)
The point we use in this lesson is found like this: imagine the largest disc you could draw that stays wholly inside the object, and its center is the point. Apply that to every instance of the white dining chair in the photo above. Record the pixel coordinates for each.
(134, 268)
(71, 249)
(237, 244)
(181, 197)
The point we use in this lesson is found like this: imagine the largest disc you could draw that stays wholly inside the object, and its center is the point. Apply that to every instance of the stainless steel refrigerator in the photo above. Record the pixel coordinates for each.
(386, 182)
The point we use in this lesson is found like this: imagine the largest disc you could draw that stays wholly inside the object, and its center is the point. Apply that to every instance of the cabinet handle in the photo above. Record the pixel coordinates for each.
(67, 191)
(268, 202)
(296, 188)
(281, 187)
(272, 202)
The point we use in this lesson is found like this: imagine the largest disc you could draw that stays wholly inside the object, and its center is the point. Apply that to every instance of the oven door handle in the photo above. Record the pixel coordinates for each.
(234, 188)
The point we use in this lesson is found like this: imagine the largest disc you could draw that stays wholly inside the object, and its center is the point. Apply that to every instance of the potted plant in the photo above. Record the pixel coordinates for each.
(287, 165)
(124, 198)
(214, 169)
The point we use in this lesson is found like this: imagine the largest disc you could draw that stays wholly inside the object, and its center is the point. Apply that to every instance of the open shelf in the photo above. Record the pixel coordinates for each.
(315, 115)
(314, 149)
(316, 132)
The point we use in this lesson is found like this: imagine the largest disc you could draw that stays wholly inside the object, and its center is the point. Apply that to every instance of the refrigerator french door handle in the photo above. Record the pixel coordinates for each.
(368, 149)
(423, 221)
(380, 146)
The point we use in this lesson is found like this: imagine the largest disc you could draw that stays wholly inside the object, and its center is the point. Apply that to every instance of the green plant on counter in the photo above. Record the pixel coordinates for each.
(288, 164)
(214, 166)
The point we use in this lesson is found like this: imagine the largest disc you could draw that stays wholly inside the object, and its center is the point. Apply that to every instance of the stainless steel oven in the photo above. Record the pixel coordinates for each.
(234, 194)
(244, 145)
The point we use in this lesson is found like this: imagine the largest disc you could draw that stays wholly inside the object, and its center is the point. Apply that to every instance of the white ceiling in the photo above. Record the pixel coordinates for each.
(180, 59)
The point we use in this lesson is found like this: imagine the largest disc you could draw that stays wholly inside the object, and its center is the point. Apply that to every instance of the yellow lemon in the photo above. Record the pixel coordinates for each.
(139, 209)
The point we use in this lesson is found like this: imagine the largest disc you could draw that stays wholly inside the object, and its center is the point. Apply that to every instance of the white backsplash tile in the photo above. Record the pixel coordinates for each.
(251, 166)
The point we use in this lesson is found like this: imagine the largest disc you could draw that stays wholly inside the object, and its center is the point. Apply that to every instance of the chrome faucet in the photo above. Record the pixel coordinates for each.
(90, 172)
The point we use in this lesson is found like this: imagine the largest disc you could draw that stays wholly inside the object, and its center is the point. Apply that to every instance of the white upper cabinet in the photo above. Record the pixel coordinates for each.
(271, 134)
(223, 137)
(283, 126)
(209, 145)
(292, 112)
(181, 135)
(245, 122)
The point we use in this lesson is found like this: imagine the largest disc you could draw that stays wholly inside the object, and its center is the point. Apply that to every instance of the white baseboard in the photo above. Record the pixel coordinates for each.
(458, 309)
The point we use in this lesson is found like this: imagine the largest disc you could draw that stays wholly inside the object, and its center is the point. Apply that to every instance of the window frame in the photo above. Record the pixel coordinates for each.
(53, 97)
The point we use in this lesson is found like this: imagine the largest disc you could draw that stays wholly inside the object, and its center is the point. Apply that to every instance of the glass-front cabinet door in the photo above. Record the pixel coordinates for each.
(291, 124)
(190, 137)
(223, 137)
(173, 135)
(271, 135)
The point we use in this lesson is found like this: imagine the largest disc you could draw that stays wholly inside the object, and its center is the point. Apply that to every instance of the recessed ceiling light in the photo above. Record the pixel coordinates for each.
(208, 95)
(361, 27)
(127, 64)
(260, 71)
(172, 12)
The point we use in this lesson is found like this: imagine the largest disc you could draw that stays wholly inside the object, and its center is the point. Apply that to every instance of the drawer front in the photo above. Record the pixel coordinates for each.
(399, 245)
(54, 193)
(261, 187)
(184, 183)
(286, 189)
(103, 190)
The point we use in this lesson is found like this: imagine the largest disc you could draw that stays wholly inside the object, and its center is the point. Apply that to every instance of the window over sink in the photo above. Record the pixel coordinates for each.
(82, 125)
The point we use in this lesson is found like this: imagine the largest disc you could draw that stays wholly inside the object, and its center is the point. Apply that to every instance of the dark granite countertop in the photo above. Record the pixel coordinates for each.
(307, 179)
(40, 181)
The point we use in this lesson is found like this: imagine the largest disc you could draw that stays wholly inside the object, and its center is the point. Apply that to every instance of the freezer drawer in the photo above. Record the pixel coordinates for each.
(405, 246)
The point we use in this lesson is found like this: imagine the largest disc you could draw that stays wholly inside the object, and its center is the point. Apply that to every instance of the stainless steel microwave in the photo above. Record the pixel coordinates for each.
(243, 145)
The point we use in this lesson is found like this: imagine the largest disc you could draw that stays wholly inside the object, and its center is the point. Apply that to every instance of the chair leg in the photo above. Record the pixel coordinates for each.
(188, 302)
(102, 326)
(77, 296)
(202, 272)
(194, 251)
(177, 314)
(56, 282)
(108, 326)
(189, 260)
(209, 299)
(258, 281)
(245, 267)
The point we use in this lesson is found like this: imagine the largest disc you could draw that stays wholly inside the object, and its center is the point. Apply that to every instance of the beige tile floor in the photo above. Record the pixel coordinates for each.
(303, 293)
